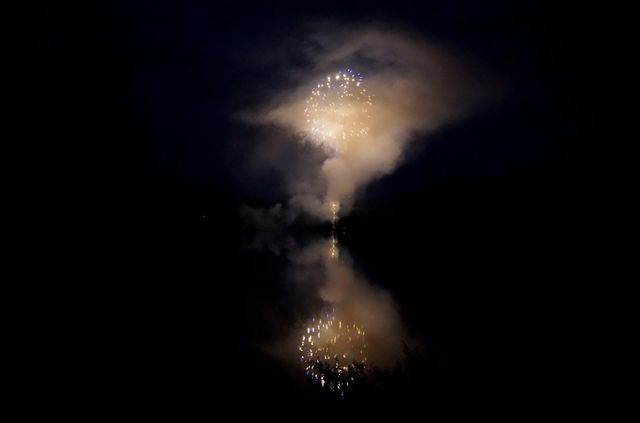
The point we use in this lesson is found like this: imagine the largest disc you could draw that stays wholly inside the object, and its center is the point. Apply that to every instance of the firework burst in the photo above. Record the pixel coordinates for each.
(333, 353)
(337, 112)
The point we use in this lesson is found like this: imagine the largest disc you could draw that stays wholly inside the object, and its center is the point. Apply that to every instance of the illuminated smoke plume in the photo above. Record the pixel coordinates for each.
(367, 93)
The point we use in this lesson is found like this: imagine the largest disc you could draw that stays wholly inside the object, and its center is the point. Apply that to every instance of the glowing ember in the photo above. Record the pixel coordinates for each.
(335, 208)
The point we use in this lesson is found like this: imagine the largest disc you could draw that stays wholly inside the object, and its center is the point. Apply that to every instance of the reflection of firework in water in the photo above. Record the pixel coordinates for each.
(333, 248)
(334, 353)
(338, 110)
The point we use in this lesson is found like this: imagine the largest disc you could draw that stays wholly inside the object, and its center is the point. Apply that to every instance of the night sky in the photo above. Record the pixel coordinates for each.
(134, 296)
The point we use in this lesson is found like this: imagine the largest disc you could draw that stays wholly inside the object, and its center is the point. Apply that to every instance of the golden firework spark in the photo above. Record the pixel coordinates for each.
(334, 353)
(335, 208)
(337, 111)
(333, 248)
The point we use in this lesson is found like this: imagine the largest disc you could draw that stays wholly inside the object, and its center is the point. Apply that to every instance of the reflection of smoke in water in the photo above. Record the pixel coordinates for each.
(354, 329)
(334, 353)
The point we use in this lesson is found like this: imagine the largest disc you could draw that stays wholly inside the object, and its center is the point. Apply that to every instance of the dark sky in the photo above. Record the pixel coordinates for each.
(125, 178)
(180, 70)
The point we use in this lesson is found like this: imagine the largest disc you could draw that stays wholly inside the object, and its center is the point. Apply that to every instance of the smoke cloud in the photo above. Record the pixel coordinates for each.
(416, 88)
